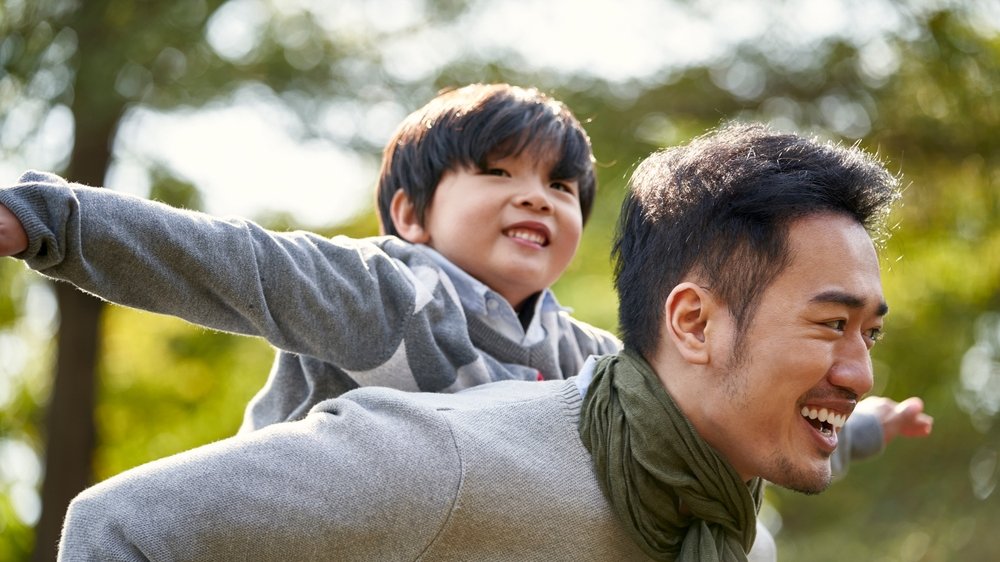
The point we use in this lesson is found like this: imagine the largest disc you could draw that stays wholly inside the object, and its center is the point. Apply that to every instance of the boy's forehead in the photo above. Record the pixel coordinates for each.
(536, 154)
(541, 157)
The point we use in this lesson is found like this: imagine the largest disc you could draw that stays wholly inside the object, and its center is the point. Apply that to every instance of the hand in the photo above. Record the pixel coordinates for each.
(906, 418)
(13, 239)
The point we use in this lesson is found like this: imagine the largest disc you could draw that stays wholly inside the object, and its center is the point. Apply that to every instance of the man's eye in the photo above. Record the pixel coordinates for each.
(875, 334)
(838, 325)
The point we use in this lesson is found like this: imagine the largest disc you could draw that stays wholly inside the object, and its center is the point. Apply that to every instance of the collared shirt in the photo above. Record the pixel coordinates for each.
(479, 299)
(586, 375)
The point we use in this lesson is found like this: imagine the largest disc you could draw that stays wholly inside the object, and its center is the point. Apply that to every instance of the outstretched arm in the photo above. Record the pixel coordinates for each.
(345, 301)
(13, 239)
(876, 421)
(230, 275)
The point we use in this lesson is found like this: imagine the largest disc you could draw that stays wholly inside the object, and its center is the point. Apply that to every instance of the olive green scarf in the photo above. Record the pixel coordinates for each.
(650, 460)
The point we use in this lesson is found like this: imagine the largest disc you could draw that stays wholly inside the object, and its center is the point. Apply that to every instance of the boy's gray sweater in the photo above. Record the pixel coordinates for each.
(342, 312)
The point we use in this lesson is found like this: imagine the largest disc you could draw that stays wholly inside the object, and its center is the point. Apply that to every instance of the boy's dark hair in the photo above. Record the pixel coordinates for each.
(465, 127)
(720, 207)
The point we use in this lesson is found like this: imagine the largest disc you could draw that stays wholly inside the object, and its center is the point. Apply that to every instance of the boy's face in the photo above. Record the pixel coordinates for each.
(513, 227)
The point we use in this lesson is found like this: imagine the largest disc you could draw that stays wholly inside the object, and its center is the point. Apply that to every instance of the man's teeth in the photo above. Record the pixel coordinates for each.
(824, 415)
(529, 235)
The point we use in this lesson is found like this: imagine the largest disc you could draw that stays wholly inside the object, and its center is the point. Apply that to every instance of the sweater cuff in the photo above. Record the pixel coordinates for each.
(30, 202)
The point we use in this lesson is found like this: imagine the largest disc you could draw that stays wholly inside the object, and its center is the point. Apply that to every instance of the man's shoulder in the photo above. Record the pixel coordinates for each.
(502, 394)
(481, 400)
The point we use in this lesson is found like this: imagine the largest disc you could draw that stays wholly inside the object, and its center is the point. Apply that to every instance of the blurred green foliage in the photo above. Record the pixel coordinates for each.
(928, 107)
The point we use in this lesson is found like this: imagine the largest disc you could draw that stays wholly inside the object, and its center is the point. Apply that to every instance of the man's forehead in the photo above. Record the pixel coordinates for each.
(833, 258)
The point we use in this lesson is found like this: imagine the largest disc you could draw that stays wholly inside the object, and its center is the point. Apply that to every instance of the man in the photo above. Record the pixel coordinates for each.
(750, 299)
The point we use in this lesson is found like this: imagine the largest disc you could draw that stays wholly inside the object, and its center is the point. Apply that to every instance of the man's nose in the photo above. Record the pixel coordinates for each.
(853, 367)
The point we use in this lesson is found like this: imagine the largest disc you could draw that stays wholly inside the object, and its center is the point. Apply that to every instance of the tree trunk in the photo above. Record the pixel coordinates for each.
(69, 419)
(70, 433)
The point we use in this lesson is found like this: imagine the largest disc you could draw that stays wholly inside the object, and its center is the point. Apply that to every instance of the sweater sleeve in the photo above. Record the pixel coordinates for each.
(860, 439)
(341, 300)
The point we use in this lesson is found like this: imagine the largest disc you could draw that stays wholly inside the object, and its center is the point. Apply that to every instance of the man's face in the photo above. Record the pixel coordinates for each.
(806, 353)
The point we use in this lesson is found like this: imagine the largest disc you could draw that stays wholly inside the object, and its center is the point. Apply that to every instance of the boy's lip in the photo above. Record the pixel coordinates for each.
(531, 232)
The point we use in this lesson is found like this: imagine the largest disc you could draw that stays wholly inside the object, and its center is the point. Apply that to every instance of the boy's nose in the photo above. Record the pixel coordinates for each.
(534, 195)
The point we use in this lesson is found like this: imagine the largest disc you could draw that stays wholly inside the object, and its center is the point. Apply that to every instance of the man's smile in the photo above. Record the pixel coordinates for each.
(825, 421)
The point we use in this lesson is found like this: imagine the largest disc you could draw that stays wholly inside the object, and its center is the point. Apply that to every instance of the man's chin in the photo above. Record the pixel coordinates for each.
(808, 488)
(806, 480)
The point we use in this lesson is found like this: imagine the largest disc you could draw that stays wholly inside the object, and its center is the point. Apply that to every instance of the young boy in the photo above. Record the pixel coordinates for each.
(486, 188)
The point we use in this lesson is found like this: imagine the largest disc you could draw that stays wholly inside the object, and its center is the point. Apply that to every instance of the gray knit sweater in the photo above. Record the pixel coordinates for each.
(493, 473)
(342, 312)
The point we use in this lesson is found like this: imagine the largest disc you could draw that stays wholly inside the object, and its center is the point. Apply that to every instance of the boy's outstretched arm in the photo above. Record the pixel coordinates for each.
(295, 289)
(876, 421)
(13, 239)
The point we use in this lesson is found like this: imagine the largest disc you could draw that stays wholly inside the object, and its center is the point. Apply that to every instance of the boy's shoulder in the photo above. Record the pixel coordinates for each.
(370, 248)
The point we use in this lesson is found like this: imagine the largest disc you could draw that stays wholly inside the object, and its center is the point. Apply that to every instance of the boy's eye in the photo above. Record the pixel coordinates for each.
(497, 172)
(562, 186)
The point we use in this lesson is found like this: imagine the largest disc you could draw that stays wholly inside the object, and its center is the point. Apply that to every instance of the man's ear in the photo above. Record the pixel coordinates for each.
(688, 310)
(404, 218)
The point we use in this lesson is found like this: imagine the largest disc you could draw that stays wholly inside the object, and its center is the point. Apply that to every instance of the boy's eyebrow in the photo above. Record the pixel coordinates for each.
(849, 300)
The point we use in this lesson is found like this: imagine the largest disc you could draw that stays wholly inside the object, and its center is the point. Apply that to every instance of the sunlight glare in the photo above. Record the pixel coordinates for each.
(234, 30)
(20, 473)
(246, 162)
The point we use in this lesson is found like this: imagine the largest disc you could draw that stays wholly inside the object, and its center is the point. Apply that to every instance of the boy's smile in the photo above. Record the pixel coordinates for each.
(511, 226)
(530, 233)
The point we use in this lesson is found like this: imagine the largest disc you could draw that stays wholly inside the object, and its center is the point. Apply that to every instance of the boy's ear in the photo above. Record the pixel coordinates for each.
(404, 218)
(688, 309)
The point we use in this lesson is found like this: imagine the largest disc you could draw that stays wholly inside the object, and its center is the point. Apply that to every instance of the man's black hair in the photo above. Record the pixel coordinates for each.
(719, 208)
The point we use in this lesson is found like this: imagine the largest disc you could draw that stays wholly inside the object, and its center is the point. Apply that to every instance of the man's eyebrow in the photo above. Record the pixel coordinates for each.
(849, 300)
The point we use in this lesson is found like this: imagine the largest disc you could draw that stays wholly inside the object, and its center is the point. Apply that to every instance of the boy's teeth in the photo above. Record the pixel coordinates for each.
(529, 235)
(824, 415)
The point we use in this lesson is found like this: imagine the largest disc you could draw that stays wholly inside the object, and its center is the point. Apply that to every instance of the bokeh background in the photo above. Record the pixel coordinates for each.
(277, 110)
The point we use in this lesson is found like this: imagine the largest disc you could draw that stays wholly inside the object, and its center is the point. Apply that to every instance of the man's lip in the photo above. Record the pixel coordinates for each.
(842, 406)
(829, 414)
(825, 443)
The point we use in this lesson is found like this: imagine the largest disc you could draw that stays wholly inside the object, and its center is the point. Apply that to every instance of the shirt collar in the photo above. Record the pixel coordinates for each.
(478, 299)
(475, 295)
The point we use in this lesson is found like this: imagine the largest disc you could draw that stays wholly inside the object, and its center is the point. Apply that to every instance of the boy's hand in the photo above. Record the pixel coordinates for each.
(13, 239)
(906, 418)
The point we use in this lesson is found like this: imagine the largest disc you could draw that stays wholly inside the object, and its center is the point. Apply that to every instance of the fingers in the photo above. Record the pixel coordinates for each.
(911, 419)
(879, 406)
